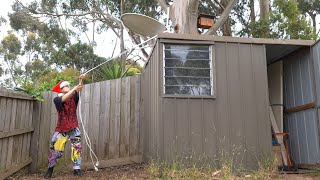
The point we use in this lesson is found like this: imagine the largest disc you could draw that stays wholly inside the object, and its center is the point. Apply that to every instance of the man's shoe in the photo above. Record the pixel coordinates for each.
(48, 174)
(77, 172)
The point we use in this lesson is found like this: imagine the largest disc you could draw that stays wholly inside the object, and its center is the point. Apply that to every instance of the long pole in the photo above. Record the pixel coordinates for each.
(134, 47)
(123, 61)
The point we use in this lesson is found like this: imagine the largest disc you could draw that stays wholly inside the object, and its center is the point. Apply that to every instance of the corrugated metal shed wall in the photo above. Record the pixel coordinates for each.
(298, 75)
(303, 136)
(150, 103)
(316, 60)
(236, 121)
(302, 126)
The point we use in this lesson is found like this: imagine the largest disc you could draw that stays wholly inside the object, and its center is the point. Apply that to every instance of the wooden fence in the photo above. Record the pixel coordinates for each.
(16, 114)
(111, 116)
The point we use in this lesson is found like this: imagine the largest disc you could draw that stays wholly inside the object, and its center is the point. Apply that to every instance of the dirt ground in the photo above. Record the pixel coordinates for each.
(136, 171)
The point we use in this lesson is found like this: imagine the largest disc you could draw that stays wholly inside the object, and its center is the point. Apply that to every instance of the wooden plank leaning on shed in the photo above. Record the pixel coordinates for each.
(279, 139)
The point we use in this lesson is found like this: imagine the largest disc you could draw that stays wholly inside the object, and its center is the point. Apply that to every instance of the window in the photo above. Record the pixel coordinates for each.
(188, 70)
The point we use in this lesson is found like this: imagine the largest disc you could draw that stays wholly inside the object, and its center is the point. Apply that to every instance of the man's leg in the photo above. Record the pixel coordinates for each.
(75, 139)
(56, 149)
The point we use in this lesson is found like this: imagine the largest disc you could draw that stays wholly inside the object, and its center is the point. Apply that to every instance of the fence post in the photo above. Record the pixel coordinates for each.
(35, 135)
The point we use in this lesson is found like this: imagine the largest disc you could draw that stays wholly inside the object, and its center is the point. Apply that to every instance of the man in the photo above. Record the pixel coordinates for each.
(67, 127)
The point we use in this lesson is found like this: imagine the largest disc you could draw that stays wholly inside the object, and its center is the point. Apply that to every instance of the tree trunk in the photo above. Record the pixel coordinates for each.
(264, 9)
(252, 16)
(10, 70)
(184, 16)
(226, 28)
(264, 17)
(252, 12)
(314, 23)
(27, 70)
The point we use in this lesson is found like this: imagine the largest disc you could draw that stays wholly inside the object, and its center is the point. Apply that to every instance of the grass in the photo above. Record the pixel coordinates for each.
(267, 169)
(176, 170)
(315, 173)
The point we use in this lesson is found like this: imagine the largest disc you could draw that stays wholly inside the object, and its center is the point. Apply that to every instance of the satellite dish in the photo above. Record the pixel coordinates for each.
(141, 24)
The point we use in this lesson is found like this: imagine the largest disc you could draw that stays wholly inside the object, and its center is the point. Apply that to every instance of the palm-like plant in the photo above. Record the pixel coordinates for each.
(113, 70)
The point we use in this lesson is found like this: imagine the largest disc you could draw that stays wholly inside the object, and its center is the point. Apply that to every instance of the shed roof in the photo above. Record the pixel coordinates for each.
(275, 48)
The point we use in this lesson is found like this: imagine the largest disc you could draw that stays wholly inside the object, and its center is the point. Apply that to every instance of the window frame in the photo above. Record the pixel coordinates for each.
(212, 68)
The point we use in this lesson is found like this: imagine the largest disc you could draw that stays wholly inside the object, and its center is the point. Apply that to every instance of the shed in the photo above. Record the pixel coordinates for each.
(206, 98)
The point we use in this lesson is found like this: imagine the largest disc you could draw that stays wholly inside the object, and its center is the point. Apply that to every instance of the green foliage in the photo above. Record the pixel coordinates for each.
(1, 70)
(312, 6)
(285, 22)
(39, 40)
(79, 56)
(113, 70)
(240, 14)
(311, 9)
(36, 69)
(48, 81)
(2, 21)
(46, 43)
(46, 46)
(43, 36)
(289, 23)
(145, 7)
(33, 43)
(11, 46)
(100, 8)
(10, 49)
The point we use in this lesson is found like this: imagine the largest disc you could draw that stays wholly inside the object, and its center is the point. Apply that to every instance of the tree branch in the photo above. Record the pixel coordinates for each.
(92, 12)
(224, 16)
(10, 70)
(163, 5)
(137, 41)
(105, 20)
(216, 1)
(115, 45)
(215, 8)
(62, 26)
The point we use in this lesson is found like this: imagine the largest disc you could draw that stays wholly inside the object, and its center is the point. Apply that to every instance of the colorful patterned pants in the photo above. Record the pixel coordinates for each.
(58, 143)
